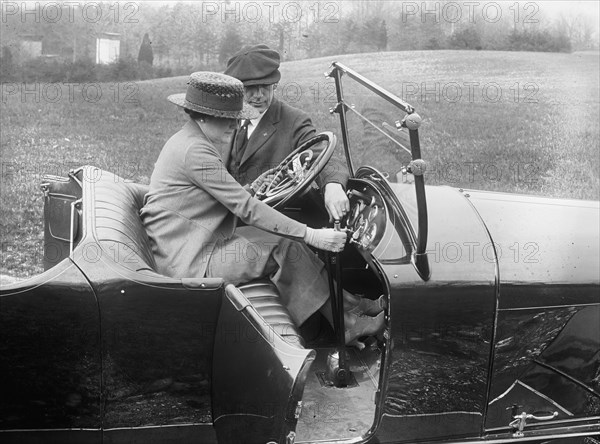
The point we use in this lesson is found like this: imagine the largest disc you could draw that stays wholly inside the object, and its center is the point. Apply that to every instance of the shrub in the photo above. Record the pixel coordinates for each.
(8, 68)
(163, 71)
(543, 41)
(43, 69)
(126, 68)
(145, 71)
(83, 70)
(467, 38)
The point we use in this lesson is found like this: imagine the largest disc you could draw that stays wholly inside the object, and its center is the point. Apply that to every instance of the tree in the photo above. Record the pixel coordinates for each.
(231, 42)
(349, 33)
(145, 54)
(467, 38)
(7, 67)
(382, 37)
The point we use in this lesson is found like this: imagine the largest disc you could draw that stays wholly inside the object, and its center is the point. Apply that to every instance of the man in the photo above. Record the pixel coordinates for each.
(279, 129)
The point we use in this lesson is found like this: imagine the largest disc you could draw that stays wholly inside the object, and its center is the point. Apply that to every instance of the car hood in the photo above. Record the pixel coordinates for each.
(545, 242)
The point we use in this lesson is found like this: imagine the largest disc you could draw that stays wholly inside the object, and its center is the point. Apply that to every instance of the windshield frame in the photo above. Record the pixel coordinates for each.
(416, 167)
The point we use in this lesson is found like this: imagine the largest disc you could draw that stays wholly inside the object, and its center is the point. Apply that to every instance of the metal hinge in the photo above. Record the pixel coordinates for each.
(290, 438)
(74, 206)
(298, 410)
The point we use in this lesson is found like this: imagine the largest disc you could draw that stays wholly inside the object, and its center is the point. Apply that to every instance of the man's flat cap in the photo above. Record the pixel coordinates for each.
(255, 65)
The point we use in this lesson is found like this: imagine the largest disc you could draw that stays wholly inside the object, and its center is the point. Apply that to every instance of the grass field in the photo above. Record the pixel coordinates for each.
(516, 122)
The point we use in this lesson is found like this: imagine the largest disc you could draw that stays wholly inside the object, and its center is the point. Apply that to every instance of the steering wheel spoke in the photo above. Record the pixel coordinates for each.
(298, 170)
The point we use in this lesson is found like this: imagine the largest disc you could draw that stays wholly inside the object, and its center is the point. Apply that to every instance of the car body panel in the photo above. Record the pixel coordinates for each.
(543, 243)
(441, 328)
(50, 361)
(258, 377)
(157, 332)
(547, 336)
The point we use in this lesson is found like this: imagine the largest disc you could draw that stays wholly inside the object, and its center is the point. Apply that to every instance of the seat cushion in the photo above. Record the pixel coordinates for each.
(118, 226)
(264, 297)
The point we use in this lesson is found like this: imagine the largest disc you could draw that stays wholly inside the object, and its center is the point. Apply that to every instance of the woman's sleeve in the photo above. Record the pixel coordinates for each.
(206, 170)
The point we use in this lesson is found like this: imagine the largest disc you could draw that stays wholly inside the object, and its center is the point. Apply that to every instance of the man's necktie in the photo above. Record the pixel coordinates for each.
(239, 146)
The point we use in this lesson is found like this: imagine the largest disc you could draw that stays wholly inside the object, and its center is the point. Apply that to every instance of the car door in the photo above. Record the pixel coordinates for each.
(545, 378)
(441, 328)
(258, 376)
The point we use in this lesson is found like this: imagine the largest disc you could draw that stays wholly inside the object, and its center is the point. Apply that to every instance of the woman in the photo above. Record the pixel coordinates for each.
(191, 209)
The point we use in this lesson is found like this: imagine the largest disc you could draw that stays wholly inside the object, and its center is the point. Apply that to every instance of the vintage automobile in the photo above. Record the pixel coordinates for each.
(492, 330)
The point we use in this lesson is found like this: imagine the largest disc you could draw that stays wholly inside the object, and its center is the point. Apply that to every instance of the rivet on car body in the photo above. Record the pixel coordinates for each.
(395, 276)
(285, 367)
(467, 195)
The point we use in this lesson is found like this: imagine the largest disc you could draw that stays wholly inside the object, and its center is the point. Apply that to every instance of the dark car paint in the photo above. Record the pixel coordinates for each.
(440, 335)
(50, 356)
(548, 252)
(437, 372)
(439, 375)
(441, 329)
(157, 332)
(260, 392)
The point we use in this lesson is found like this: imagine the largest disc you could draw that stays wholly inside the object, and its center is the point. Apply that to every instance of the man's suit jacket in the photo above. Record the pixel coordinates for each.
(280, 131)
(193, 202)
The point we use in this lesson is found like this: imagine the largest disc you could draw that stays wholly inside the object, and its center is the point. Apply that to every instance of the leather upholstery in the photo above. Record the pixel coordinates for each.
(264, 297)
(122, 236)
(118, 226)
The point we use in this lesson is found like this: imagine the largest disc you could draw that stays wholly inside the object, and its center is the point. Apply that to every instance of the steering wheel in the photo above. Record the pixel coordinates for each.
(297, 171)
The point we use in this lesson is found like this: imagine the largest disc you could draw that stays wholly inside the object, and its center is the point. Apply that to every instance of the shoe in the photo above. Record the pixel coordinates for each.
(360, 306)
(357, 326)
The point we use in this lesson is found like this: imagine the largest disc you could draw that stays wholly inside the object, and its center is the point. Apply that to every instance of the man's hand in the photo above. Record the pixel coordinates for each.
(336, 201)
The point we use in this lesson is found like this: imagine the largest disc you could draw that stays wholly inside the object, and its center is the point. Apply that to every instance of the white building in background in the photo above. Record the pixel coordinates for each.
(108, 46)
(31, 46)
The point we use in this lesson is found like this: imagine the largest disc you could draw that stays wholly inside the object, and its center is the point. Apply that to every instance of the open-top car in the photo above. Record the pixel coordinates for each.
(492, 313)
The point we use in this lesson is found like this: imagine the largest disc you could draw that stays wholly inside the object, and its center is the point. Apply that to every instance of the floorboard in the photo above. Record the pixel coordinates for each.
(331, 413)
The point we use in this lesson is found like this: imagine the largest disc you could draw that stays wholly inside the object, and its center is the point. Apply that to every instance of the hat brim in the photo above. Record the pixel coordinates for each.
(272, 78)
(247, 112)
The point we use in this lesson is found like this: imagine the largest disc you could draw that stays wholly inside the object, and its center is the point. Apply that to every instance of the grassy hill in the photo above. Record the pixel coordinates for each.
(516, 122)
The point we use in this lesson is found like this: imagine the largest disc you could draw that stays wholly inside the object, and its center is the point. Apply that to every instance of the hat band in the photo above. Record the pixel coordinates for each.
(198, 97)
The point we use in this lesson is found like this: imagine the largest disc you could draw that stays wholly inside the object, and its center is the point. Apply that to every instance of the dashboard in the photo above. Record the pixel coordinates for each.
(367, 218)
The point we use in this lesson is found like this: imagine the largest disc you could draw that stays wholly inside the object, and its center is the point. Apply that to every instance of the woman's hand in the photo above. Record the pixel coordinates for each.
(325, 239)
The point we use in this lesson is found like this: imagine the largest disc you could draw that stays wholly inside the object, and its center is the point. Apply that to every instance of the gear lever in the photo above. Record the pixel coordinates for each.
(338, 371)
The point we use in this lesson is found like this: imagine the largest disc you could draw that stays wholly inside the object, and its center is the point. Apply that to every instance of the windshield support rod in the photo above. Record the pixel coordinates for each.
(379, 129)
(341, 110)
(420, 255)
(384, 94)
